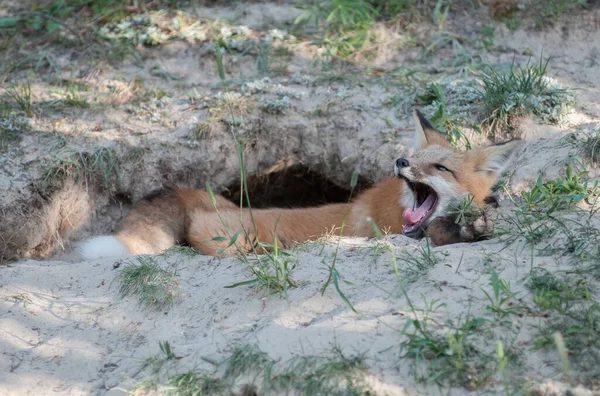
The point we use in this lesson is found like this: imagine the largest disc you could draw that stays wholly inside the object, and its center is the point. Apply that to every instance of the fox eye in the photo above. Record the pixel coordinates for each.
(442, 168)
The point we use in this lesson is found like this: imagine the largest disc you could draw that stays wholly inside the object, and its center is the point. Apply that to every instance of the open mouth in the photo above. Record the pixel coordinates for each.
(425, 200)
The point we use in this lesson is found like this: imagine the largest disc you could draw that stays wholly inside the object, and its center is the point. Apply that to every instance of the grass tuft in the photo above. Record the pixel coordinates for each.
(507, 97)
(154, 286)
(21, 94)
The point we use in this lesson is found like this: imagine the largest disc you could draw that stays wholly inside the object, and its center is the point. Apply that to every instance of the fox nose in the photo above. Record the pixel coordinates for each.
(402, 163)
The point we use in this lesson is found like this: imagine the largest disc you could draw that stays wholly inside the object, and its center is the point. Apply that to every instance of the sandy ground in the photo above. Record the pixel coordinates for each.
(65, 330)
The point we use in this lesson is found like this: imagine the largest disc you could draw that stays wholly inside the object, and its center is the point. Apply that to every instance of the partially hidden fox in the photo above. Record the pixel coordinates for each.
(418, 201)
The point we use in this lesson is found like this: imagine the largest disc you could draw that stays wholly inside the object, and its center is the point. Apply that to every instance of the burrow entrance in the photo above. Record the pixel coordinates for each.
(293, 186)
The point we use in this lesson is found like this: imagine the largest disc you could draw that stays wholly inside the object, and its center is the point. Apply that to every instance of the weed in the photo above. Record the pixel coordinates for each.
(249, 359)
(182, 250)
(232, 104)
(466, 212)
(452, 114)
(271, 270)
(591, 146)
(74, 98)
(418, 262)
(443, 357)
(40, 61)
(509, 96)
(101, 166)
(154, 286)
(276, 106)
(336, 374)
(560, 194)
(502, 361)
(347, 23)
(499, 300)
(194, 384)
(21, 94)
(334, 275)
(201, 130)
(219, 59)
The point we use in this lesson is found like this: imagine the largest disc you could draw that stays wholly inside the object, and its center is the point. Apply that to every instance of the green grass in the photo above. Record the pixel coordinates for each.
(154, 286)
(507, 97)
(591, 147)
(418, 261)
(444, 358)
(193, 384)
(573, 327)
(100, 166)
(501, 298)
(332, 373)
(22, 97)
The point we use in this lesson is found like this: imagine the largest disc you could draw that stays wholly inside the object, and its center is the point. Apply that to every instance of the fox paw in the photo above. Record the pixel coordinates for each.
(483, 226)
(480, 229)
(445, 230)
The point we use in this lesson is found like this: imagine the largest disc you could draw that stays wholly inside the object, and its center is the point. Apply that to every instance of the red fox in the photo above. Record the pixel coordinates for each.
(416, 202)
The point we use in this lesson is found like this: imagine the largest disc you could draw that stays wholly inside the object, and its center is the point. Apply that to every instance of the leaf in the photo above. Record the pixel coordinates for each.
(354, 179)
(51, 26)
(335, 276)
(9, 21)
(248, 282)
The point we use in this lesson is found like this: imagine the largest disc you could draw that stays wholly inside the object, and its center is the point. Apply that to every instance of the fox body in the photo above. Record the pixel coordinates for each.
(417, 201)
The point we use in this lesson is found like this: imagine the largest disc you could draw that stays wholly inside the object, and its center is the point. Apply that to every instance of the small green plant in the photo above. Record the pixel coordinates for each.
(39, 62)
(444, 120)
(271, 266)
(220, 67)
(550, 293)
(419, 261)
(438, 358)
(591, 147)
(502, 361)
(559, 194)
(154, 286)
(500, 297)
(101, 166)
(192, 383)
(509, 96)
(466, 212)
(334, 275)
(21, 94)
(347, 23)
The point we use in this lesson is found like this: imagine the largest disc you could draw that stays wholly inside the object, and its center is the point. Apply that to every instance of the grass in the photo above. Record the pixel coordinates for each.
(247, 367)
(418, 261)
(330, 374)
(500, 298)
(590, 147)
(100, 166)
(21, 95)
(539, 213)
(574, 324)
(450, 357)
(507, 97)
(155, 287)
(193, 384)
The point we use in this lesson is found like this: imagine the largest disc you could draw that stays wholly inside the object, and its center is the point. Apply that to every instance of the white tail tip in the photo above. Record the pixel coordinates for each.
(102, 247)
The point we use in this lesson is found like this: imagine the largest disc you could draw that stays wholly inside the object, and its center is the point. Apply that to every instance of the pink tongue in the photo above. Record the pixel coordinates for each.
(412, 217)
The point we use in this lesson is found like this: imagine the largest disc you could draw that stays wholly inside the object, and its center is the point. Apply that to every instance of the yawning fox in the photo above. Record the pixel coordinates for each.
(417, 201)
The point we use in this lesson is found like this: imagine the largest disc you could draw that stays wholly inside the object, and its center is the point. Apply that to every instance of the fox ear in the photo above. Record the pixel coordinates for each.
(425, 134)
(496, 157)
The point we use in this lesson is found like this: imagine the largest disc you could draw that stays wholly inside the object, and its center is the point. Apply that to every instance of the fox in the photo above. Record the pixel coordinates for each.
(417, 201)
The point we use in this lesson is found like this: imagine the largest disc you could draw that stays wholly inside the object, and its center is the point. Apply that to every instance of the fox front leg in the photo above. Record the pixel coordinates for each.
(445, 230)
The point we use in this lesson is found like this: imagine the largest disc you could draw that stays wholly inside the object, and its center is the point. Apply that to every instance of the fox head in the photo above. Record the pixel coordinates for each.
(438, 177)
